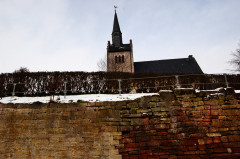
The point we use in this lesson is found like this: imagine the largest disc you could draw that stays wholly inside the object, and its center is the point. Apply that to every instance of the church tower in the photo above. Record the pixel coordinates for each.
(119, 55)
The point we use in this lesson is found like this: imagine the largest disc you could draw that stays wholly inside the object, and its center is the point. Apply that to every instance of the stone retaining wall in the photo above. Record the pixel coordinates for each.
(179, 124)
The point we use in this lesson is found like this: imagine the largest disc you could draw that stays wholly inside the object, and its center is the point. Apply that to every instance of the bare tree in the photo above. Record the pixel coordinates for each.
(117, 65)
(102, 64)
(235, 61)
(22, 70)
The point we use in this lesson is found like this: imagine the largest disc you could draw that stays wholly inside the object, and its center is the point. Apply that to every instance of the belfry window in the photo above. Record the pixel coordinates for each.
(120, 59)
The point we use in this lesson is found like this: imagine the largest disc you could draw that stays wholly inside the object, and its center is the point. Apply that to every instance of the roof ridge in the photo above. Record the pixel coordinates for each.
(164, 60)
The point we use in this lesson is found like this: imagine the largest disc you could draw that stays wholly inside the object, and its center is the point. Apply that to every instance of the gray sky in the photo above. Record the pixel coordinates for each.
(72, 35)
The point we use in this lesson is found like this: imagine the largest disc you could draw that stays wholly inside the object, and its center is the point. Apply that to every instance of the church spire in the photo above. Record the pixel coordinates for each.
(116, 33)
(116, 27)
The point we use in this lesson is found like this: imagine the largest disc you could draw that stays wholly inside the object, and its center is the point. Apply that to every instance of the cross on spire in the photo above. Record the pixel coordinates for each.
(115, 7)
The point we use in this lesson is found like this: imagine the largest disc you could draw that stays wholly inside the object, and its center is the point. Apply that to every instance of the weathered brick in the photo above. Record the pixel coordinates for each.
(220, 150)
(213, 134)
(224, 138)
(202, 147)
(208, 140)
(216, 140)
(201, 141)
(233, 138)
(189, 142)
(161, 126)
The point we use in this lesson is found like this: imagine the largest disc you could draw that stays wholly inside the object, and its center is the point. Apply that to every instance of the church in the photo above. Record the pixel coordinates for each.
(120, 59)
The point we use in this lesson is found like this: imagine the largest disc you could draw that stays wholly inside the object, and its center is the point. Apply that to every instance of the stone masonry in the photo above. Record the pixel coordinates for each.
(178, 124)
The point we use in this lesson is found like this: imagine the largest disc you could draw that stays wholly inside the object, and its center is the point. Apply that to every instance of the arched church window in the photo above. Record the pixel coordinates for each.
(122, 58)
(116, 59)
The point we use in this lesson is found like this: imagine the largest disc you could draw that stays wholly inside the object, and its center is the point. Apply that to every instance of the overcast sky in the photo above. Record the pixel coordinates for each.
(72, 35)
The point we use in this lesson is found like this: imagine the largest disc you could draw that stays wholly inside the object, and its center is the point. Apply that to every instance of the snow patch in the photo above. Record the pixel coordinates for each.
(76, 98)
(185, 88)
(237, 91)
(164, 91)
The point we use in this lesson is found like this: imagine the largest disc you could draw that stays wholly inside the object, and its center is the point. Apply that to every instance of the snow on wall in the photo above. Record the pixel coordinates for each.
(75, 98)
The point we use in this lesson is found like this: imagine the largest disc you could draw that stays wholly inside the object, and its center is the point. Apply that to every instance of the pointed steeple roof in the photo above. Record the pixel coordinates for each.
(116, 27)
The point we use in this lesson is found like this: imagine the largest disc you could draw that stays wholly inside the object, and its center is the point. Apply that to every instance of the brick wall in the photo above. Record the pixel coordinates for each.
(179, 124)
(182, 124)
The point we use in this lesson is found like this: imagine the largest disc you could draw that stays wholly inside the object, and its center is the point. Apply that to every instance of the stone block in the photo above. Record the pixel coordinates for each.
(166, 96)
(213, 134)
(223, 129)
(124, 123)
(161, 126)
(132, 105)
(181, 92)
(157, 109)
(162, 104)
(230, 91)
(133, 111)
(155, 98)
(152, 104)
(135, 115)
(161, 114)
(141, 111)
(125, 128)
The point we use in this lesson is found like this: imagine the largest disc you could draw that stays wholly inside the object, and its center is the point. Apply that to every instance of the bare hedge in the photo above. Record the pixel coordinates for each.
(50, 83)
